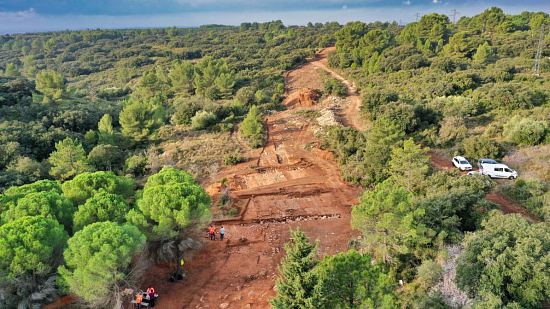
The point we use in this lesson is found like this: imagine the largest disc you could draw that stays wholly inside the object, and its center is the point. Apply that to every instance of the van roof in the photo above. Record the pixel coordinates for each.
(499, 165)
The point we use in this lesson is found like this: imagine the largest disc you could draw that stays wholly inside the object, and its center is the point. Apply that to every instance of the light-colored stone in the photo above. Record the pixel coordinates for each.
(224, 305)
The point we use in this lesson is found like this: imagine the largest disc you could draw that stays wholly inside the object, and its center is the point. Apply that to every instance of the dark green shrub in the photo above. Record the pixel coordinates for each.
(525, 131)
(476, 147)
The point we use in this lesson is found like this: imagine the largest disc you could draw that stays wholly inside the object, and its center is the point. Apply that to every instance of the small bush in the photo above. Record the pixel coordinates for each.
(476, 147)
(532, 194)
(452, 129)
(136, 165)
(429, 273)
(203, 120)
(525, 131)
(233, 159)
(334, 87)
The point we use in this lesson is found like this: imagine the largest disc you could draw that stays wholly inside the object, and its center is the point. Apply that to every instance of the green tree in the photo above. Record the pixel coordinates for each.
(383, 136)
(351, 280)
(86, 185)
(106, 157)
(140, 119)
(30, 169)
(105, 129)
(476, 147)
(525, 131)
(29, 69)
(297, 280)
(152, 84)
(390, 223)
(97, 262)
(181, 77)
(136, 165)
(49, 204)
(11, 70)
(409, 165)
(101, 207)
(30, 251)
(68, 159)
(252, 127)
(225, 82)
(38, 186)
(209, 75)
(429, 273)
(507, 263)
(51, 84)
(484, 54)
(171, 202)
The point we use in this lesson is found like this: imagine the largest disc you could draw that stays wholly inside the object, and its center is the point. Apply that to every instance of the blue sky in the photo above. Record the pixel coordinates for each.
(46, 15)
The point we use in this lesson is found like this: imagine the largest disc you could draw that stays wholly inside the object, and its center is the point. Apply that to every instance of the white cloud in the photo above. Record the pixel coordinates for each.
(407, 2)
(436, 1)
(19, 14)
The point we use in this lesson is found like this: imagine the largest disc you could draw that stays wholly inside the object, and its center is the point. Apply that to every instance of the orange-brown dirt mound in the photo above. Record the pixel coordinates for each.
(305, 97)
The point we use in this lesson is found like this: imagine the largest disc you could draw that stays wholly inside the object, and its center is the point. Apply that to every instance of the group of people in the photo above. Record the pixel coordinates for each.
(212, 232)
(149, 297)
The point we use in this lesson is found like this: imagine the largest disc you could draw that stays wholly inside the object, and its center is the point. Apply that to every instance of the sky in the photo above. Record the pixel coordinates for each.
(18, 16)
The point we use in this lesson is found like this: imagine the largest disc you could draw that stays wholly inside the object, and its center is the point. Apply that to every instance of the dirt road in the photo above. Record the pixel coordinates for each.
(352, 112)
(289, 183)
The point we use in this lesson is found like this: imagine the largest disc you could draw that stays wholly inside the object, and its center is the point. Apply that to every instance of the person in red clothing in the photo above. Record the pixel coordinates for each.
(151, 293)
(212, 232)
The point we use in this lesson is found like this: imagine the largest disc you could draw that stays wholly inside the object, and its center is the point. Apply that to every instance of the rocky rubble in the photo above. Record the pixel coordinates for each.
(451, 293)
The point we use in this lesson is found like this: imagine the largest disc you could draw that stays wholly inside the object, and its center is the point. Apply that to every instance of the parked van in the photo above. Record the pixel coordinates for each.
(497, 170)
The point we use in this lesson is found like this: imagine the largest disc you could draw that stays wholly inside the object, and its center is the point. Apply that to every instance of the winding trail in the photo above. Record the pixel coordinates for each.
(352, 111)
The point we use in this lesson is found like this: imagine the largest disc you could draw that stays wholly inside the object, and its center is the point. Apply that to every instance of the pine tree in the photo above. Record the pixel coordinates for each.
(296, 280)
(252, 127)
(11, 70)
(484, 54)
(105, 128)
(416, 161)
(68, 159)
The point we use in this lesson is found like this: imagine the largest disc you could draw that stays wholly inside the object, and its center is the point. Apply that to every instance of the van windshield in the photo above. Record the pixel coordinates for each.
(464, 162)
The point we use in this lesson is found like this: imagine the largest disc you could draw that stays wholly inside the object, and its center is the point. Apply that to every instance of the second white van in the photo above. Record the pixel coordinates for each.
(497, 171)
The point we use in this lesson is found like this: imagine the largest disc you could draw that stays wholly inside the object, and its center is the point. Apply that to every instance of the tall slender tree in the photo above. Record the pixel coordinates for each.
(296, 280)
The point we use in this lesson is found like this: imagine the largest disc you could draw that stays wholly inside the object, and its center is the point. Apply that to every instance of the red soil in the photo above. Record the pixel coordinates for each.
(284, 185)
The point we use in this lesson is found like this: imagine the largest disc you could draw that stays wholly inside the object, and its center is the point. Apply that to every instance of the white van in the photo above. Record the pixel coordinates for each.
(497, 171)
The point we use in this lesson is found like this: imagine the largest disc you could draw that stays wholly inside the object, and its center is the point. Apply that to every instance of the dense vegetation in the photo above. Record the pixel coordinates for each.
(465, 88)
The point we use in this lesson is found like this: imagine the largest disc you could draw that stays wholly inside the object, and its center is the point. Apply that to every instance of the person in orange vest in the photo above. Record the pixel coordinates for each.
(139, 299)
(151, 293)
(212, 232)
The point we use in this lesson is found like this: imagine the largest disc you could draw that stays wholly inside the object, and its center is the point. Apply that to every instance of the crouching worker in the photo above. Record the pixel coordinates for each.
(138, 301)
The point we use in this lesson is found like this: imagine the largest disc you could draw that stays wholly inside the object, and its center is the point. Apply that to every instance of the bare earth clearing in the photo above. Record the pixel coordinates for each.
(289, 183)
